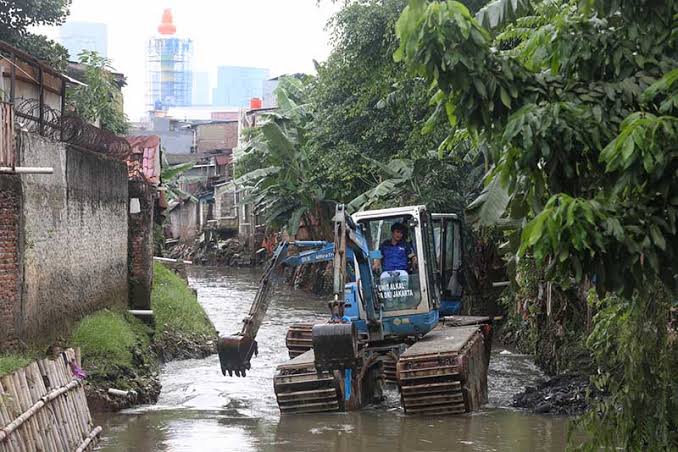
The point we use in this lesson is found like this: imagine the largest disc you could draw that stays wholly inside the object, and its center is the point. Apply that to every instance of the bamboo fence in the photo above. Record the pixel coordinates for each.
(43, 408)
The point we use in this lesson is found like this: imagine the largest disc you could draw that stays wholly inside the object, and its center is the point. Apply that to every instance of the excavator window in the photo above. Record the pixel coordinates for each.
(398, 288)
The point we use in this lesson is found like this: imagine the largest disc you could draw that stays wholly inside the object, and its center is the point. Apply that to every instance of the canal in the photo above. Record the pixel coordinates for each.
(201, 410)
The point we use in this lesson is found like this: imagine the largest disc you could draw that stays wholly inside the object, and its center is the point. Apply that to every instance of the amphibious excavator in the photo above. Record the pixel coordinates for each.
(396, 327)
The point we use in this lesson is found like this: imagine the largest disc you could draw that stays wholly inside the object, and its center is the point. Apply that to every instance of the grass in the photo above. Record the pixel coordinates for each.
(108, 338)
(11, 362)
(175, 305)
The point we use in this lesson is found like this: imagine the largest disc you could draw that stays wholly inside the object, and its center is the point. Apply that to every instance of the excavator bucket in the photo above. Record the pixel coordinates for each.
(235, 353)
(335, 346)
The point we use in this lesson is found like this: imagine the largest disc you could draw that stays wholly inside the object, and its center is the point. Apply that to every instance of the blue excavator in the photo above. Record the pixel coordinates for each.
(397, 327)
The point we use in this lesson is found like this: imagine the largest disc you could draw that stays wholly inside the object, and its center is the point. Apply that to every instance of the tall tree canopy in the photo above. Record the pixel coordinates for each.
(369, 110)
(16, 17)
(578, 106)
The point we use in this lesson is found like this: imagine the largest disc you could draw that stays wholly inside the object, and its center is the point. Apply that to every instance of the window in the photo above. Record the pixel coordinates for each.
(398, 285)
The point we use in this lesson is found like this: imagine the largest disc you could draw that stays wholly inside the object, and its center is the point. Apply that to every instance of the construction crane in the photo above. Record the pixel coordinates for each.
(383, 325)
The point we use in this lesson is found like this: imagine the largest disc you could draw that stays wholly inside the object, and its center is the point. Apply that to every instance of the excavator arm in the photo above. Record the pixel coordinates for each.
(236, 351)
(336, 342)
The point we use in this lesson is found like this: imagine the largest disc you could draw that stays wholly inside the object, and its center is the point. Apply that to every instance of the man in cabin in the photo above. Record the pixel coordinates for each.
(396, 253)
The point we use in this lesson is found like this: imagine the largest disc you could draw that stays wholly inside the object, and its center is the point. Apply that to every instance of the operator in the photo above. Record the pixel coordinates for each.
(396, 253)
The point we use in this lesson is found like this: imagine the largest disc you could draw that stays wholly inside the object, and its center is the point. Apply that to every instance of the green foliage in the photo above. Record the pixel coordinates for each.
(107, 339)
(175, 306)
(578, 111)
(498, 13)
(370, 111)
(638, 363)
(16, 17)
(10, 362)
(282, 183)
(101, 98)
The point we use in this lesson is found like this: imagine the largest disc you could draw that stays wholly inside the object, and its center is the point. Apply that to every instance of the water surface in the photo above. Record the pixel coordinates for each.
(201, 410)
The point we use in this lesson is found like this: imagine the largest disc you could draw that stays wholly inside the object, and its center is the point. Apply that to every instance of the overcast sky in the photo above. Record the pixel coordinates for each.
(282, 35)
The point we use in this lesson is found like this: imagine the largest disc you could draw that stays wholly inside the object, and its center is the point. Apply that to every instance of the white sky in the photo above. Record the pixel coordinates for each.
(282, 35)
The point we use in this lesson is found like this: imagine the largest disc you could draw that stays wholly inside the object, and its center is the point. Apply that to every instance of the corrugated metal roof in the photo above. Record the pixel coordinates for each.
(145, 156)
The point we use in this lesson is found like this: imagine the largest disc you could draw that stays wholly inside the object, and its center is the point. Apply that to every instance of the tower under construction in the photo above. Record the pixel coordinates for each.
(169, 80)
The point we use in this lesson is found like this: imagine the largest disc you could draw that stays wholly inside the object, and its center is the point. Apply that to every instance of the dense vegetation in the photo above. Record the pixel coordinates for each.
(578, 108)
(358, 129)
(566, 111)
(100, 98)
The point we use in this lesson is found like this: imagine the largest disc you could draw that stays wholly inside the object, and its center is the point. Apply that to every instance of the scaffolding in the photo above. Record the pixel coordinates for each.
(169, 73)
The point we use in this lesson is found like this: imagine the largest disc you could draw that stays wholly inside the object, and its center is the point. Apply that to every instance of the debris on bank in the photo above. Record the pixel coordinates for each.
(561, 395)
(229, 252)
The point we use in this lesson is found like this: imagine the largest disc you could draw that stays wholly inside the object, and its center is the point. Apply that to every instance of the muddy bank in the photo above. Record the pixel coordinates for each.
(562, 395)
(122, 353)
(141, 382)
(230, 252)
(172, 345)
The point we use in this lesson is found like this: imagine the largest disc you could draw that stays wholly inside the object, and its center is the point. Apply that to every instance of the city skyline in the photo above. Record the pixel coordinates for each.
(77, 36)
(248, 34)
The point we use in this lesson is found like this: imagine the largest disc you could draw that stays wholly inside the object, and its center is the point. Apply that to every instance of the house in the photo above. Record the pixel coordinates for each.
(183, 218)
(176, 136)
(215, 135)
(145, 158)
(37, 91)
(225, 210)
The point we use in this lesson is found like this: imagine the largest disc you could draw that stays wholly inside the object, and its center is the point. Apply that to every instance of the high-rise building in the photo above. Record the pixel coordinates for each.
(269, 92)
(201, 88)
(79, 36)
(169, 80)
(237, 85)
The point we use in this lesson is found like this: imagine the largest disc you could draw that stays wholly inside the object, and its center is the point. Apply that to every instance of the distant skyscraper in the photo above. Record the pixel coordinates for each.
(237, 85)
(201, 88)
(169, 80)
(269, 93)
(79, 36)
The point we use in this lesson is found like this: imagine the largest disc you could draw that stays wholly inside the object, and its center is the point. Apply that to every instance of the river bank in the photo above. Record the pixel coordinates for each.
(122, 353)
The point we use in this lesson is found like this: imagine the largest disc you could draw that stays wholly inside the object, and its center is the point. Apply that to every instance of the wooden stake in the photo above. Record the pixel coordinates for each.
(91, 437)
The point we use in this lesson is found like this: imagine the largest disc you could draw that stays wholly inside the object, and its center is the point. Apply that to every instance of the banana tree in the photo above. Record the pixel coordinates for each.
(280, 181)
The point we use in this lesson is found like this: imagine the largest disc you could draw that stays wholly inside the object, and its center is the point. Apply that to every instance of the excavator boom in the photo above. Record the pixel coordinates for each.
(235, 352)
(337, 341)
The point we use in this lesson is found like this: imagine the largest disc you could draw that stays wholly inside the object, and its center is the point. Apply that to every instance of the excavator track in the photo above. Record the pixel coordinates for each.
(299, 388)
(445, 372)
(390, 363)
(299, 339)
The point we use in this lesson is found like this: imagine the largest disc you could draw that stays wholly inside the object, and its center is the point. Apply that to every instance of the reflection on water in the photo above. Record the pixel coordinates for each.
(199, 409)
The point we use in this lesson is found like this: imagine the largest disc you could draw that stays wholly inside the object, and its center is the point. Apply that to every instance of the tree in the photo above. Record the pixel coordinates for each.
(281, 182)
(369, 111)
(100, 99)
(580, 119)
(16, 17)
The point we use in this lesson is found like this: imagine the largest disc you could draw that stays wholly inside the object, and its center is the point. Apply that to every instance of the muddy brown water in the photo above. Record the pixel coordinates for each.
(201, 410)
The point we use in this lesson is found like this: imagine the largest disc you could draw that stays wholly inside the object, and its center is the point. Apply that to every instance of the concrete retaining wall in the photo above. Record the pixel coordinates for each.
(74, 227)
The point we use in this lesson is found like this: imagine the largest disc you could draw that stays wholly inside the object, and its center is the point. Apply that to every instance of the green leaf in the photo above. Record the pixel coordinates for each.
(172, 172)
(657, 237)
(491, 204)
(505, 98)
(295, 220)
